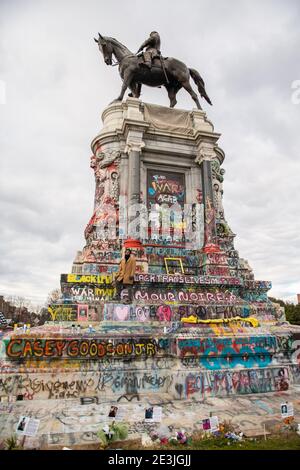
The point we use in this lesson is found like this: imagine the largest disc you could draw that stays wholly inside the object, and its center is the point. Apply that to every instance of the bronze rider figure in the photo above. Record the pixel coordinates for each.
(152, 45)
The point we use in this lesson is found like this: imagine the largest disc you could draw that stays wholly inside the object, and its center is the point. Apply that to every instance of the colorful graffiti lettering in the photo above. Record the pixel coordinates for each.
(185, 296)
(62, 312)
(137, 313)
(133, 382)
(226, 353)
(165, 187)
(164, 313)
(86, 279)
(182, 279)
(86, 293)
(19, 348)
(238, 382)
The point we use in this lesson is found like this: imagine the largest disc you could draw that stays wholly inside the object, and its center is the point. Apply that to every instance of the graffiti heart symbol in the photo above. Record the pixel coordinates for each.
(164, 313)
(122, 313)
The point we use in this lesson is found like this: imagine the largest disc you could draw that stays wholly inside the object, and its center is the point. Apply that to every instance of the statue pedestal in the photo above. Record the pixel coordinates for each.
(197, 323)
(195, 302)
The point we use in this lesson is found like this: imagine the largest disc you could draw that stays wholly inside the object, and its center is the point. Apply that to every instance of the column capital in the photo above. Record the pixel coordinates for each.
(206, 152)
(134, 146)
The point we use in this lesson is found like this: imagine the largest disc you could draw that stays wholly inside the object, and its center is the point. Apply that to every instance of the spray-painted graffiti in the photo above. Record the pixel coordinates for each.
(87, 293)
(115, 312)
(263, 285)
(214, 258)
(100, 256)
(255, 296)
(204, 345)
(93, 268)
(132, 382)
(19, 348)
(165, 250)
(188, 296)
(236, 382)
(191, 261)
(48, 387)
(138, 313)
(226, 353)
(165, 187)
(62, 312)
(86, 279)
(211, 270)
(78, 312)
(164, 313)
(75, 385)
(171, 312)
(154, 312)
(141, 313)
(105, 363)
(296, 373)
(182, 279)
(179, 384)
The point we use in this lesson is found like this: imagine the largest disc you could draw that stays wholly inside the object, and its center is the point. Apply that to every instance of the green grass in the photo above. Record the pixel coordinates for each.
(272, 443)
(285, 441)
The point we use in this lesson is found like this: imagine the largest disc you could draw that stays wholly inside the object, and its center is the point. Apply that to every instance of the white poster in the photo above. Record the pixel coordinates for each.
(211, 424)
(287, 410)
(21, 426)
(113, 412)
(32, 427)
(27, 426)
(214, 423)
(122, 413)
(153, 414)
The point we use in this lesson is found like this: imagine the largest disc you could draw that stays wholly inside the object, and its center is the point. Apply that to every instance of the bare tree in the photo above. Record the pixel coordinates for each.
(18, 301)
(38, 309)
(54, 296)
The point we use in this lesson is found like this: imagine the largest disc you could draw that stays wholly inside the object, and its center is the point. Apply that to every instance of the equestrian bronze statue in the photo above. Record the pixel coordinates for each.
(150, 69)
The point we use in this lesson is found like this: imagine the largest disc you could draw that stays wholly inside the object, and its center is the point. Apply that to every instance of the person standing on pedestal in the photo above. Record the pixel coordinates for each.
(125, 275)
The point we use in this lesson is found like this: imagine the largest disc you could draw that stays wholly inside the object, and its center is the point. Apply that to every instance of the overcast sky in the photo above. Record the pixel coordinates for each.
(56, 85)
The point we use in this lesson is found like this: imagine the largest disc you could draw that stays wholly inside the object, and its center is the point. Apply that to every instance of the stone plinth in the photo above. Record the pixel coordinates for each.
(198, 324)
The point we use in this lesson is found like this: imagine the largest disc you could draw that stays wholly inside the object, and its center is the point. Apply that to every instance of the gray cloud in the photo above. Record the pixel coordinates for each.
(57, 86)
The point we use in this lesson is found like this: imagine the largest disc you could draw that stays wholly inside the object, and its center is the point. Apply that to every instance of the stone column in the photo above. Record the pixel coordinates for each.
(133, 148)
(204, 159)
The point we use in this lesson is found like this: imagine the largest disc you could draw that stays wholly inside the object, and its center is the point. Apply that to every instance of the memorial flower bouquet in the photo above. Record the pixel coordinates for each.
(112, 432)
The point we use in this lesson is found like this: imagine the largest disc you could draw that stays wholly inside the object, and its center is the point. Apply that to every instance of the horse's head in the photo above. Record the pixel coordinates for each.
(105, 47)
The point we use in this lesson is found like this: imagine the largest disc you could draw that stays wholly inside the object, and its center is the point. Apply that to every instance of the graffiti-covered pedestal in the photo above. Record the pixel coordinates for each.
(197, 324)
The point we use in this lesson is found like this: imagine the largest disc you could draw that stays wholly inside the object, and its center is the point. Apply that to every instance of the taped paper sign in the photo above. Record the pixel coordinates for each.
(153, 414)
(211, 424)
(27, 426)
(287, 410)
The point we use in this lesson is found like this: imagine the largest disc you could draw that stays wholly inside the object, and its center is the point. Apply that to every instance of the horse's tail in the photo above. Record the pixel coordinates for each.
(200, 84)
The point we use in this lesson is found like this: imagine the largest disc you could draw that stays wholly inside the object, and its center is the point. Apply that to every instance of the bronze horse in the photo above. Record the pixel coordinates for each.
(133, 74)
